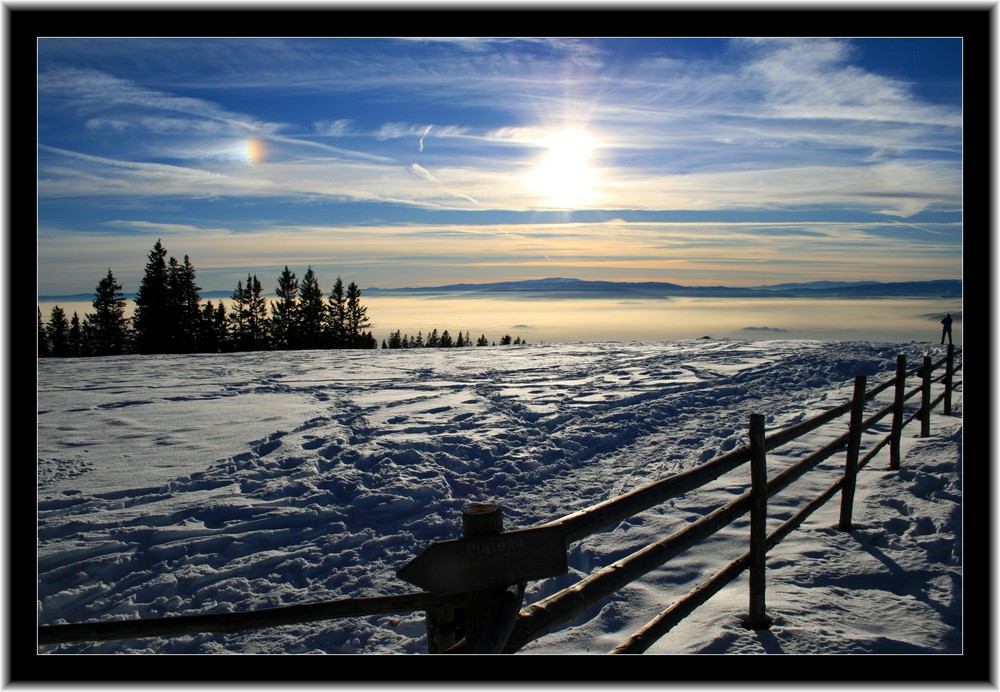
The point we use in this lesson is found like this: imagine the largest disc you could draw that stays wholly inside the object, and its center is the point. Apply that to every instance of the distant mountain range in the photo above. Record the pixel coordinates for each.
(579, 288)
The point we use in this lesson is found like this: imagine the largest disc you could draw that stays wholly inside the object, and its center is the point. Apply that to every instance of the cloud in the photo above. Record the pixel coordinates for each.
(333, 128)
(815, 78)
(397, 130)
(777, 330)
(91, 91)
(171, 229)
(69, 174)
(159, 171)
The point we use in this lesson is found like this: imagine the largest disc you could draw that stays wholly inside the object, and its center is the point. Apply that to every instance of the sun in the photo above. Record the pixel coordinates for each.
(565, 177)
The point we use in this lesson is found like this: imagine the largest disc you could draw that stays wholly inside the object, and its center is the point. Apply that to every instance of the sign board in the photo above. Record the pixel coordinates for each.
(472, 564)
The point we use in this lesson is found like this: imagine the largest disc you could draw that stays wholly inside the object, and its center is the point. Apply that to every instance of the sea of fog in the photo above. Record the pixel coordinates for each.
(540, 320)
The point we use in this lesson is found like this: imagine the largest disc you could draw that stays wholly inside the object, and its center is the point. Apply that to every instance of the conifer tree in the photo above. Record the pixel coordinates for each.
(184, 306)
(220, 329)
(75, 337)
(285, 312)
(312, 312)
(248, 318)
(258, 321)
(106, 330)
(205, 335)
(57, 331)
(483, 341)
(357, 318)
(172, 310)
(336, 316)
(446, 340)
(239, 317)
(43, 350)
(433, 340)
(151, 322)
(208, 337)
(190, 301)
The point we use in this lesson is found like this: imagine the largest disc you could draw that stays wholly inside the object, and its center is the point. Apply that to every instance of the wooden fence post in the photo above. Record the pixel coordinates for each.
(925, 399)
(481, 606)
(949, 371)
(897, 412)
(758, 618)
(853, 447)
(442, 629)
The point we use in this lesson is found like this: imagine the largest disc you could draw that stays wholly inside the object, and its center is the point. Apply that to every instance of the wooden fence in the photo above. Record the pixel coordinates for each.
(475, 602)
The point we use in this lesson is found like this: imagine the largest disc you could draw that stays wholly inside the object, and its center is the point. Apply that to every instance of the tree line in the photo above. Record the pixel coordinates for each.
(169, 317)
(444, 340)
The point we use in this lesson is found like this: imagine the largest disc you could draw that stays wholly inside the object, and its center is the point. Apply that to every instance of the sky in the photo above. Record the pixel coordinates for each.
(398, 162)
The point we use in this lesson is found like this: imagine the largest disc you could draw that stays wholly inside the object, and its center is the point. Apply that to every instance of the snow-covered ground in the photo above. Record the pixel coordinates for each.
(221, 483)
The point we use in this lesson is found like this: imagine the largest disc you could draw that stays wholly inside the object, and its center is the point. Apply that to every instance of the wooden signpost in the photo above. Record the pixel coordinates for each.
(473, 564)
(490, 566)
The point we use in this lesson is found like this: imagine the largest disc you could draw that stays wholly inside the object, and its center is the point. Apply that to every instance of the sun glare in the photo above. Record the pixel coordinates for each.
(564, 177)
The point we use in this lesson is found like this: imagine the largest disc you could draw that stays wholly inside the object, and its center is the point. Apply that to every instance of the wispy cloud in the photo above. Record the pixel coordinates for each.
(815, 79)
(92, 91)
(172, 229)
(334, 128)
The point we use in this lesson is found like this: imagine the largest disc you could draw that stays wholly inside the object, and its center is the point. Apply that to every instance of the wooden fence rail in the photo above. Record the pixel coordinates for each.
(176, 625)
(492, 620)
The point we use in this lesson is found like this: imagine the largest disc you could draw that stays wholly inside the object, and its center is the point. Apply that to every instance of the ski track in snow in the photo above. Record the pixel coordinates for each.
(200, 484)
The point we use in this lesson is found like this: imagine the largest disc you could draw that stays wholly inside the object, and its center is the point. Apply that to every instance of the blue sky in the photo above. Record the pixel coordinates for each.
(421, 162)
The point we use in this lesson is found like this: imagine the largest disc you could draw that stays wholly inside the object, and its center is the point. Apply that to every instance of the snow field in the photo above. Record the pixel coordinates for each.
(186, 484)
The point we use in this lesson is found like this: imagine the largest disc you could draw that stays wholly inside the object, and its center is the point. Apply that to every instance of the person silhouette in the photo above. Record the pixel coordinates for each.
(946, 329)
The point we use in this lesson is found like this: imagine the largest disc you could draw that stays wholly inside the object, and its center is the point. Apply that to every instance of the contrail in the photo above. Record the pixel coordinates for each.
(427, 175)
(919, 228)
